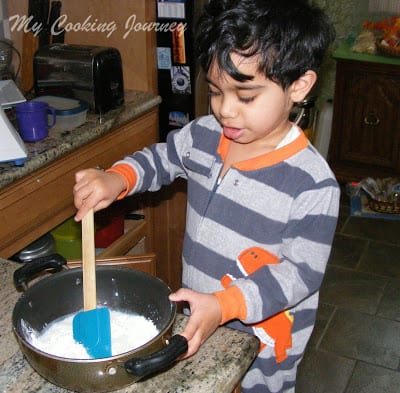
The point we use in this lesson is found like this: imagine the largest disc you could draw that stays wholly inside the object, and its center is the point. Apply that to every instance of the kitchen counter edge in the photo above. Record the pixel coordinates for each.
(61, 142)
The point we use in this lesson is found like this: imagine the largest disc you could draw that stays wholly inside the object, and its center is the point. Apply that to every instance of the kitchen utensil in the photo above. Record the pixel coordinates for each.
(44, 35)
(12, 147)
(39, 248)
(32, 120)
(57, 35)
(91, 327)
(120, 288)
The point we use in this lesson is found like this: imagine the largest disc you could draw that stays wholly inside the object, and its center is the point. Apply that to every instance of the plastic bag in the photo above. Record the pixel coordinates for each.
(382, 190)
(365, 43)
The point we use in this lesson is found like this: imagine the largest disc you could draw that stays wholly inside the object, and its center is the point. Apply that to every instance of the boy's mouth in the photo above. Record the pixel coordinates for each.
(233, 133)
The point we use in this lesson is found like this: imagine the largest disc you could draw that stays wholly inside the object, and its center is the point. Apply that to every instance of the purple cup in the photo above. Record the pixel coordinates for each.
(33, 121)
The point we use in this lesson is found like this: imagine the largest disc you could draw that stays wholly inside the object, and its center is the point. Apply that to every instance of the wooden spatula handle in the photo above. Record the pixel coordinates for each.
(88, 262)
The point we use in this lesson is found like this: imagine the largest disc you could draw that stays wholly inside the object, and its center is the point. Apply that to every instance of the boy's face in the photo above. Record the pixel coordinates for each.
(250, 112)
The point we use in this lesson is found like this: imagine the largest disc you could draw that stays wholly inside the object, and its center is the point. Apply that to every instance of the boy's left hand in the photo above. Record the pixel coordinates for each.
(204, 319)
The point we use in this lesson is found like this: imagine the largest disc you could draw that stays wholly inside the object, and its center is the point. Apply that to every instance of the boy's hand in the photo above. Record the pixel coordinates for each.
(95, 189)
(204, 319)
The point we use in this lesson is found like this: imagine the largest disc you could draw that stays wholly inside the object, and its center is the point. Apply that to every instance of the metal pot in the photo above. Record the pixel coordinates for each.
(118, 288)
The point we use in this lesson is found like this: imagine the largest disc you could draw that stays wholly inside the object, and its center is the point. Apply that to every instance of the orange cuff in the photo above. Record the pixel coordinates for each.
(233, 305)
(129, 176)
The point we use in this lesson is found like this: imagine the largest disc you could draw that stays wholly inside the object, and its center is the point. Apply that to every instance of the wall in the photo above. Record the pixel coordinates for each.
(2, 16)
(341, 13)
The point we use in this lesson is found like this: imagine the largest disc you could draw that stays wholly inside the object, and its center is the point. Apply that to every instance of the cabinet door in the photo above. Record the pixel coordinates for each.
(365, 140)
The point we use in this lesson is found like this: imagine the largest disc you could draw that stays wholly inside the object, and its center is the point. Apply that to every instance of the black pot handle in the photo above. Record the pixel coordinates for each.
(24, 274)
(142, 367)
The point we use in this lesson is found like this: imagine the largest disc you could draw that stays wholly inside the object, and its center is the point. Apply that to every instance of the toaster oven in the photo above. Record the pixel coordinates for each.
(85, 72)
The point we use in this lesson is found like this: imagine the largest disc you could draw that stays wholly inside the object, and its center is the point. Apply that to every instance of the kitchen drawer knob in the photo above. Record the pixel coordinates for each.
(371, 119)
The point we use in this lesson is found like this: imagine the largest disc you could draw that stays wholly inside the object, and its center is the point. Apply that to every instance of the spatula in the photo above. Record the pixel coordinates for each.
(91, 327)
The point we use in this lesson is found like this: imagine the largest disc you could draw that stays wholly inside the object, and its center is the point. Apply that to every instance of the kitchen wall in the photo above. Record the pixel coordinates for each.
(1, 21)
(343, 14)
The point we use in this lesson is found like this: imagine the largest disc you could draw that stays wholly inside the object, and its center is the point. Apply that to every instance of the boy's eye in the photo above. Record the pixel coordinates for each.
(246, 100)
(212, 93)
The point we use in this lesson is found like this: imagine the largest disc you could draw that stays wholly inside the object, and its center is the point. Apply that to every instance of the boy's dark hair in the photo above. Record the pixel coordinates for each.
(289, 36)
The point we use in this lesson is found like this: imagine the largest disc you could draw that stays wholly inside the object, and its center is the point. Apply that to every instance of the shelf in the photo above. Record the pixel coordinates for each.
(124, 243)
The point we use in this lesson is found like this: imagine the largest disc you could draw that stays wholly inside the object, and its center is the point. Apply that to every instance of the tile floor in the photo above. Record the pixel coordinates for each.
(355, 346)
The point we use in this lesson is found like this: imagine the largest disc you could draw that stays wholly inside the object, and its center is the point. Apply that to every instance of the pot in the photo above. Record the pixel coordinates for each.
(118, 288)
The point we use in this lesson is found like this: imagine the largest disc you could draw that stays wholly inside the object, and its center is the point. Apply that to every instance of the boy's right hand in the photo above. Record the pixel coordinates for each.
(96, 189)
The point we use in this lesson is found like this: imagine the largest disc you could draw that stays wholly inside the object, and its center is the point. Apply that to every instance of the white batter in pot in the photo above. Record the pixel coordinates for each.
(128, 332)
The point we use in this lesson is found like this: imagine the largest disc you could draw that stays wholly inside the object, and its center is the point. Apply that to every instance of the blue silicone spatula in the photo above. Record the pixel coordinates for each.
(91, 327)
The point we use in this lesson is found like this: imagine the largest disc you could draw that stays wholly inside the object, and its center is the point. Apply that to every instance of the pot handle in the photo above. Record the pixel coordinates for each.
(142, 367)
(24, 274)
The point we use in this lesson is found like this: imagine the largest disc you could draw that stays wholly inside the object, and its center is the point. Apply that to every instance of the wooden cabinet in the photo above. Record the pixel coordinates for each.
(365, 139)
(24, 214)
(169, 228)
(35, 204)
(161, 232)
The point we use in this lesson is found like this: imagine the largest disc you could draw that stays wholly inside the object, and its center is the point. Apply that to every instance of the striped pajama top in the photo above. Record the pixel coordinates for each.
(280, 208)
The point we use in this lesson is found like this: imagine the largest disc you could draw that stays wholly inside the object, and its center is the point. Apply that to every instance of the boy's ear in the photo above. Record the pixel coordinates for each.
(302, 86)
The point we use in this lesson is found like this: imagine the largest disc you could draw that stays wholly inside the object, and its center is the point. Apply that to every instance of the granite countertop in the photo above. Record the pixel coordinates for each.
(61, 142)
(217, 367)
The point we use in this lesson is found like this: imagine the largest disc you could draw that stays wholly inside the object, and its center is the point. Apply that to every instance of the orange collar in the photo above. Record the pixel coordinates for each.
(265, 160)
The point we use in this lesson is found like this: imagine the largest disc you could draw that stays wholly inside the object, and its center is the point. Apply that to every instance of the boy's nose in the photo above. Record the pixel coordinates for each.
(227, 108)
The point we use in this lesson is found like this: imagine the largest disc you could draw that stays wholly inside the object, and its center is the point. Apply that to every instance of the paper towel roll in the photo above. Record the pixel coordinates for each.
(324, 128)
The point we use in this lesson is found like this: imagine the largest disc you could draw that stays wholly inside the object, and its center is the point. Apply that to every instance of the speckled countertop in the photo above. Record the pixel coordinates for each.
(216, 368)
(60, 142)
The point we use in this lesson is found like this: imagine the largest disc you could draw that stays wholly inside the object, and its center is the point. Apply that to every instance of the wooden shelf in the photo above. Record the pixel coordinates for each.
(124, 243)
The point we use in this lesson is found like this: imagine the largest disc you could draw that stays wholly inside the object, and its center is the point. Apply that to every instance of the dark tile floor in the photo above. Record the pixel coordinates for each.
(355, 346)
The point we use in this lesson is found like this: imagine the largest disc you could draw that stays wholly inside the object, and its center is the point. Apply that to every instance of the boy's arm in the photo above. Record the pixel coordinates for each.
(129, 175)
(154, 166)
(232, 303)
(299, 273)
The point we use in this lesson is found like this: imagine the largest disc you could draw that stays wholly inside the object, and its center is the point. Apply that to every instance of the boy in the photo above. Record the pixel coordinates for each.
(262, 203)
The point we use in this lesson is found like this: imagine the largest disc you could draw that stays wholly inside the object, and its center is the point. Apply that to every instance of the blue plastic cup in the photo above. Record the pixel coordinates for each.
(33, 122)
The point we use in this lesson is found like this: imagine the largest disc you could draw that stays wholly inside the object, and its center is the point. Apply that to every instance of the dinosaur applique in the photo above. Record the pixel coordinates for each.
(276, 330)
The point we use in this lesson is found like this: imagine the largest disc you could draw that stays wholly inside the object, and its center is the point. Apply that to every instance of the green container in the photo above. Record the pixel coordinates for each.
(68, 239)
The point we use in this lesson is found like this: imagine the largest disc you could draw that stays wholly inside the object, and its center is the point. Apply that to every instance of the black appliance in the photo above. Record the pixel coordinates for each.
(89, 73)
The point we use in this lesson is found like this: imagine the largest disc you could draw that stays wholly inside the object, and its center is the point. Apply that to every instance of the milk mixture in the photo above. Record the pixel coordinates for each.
(128, 331)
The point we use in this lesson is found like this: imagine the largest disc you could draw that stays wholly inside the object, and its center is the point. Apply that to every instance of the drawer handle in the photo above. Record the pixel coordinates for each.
(371, 119)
